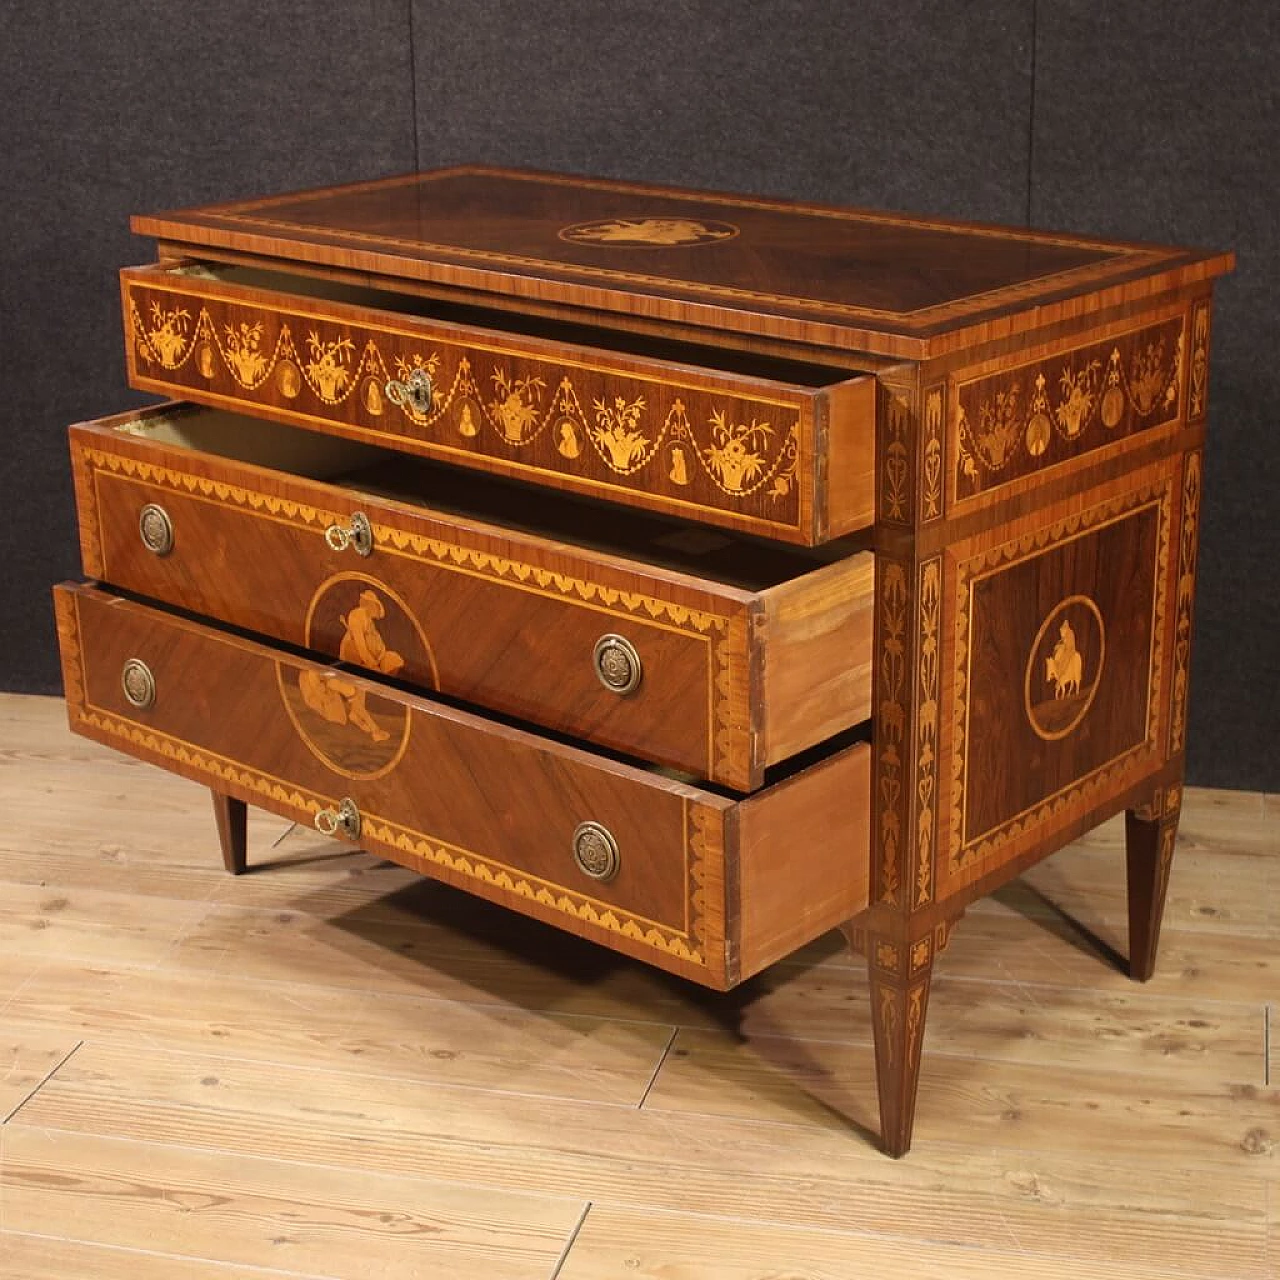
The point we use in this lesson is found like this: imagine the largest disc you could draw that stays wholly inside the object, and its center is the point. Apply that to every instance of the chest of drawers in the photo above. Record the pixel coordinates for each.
(695, 573)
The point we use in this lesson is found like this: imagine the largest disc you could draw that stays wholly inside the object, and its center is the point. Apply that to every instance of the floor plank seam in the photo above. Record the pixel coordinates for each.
(994, 980)
(856, 1132)
(129, 1040)
(1139, 1069)
(653, 1079)
(57, 1066)
(283, 986)
(412, 1175)
(570, 1242)
(284, 835)
(21, 987)
(168, 1257)
(1085, 1264)
(1266, 1045)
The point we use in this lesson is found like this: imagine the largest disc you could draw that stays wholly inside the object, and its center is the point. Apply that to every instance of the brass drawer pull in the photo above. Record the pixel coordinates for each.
(415, 393)
(358, 535)
(617, 664)
(342, 821)
(596, 851)
(155, 529)
(138, 683)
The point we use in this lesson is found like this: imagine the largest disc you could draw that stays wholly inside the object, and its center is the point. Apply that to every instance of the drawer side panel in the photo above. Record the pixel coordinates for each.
(804, 861)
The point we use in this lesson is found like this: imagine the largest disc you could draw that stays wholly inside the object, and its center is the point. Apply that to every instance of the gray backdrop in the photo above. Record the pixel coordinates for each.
(1147, 121)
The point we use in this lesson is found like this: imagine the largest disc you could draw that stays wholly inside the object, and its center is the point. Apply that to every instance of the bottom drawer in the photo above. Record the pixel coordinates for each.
(686, 878)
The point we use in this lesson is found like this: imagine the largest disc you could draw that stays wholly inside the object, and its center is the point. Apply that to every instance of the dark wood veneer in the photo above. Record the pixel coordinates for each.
(504, 615)
(810, 273)
(1015, 418)
(486, 807)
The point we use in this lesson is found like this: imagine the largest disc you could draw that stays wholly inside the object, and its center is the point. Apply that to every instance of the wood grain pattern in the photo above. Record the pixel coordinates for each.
(1068, 1120)
(1056, 1202)
(1003, 1105)
(725, 448)
(803, 866)
(423, 776)
(255, 1211)
(430, 1042)
(1038, 745)
(845, 290)
(815, 648)
(679, 1246)
(28, 1056)
(32, 1257)
(502, 615)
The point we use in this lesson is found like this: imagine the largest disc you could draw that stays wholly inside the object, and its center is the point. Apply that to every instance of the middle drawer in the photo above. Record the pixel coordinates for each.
(688, 647)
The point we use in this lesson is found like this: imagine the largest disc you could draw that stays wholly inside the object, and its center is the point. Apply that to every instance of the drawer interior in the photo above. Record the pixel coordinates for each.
(734, 559)
(767, 368)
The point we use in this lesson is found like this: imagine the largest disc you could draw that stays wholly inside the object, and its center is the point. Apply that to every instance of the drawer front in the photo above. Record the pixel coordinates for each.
(721, 448)
(514, 627)
(488, 808)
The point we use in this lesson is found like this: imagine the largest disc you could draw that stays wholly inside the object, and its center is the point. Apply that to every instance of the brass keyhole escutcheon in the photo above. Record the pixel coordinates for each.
(156, 529)
(617, 664)
(596, 851)
(138, 683)
(358, 535)
(342, 821)
(415, 393)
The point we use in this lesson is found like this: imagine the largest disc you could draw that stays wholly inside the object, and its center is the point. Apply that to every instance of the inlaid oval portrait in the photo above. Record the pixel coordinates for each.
(1064, 667)
(347, 724)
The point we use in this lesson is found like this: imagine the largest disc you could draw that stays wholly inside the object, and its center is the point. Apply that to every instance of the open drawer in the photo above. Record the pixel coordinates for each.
(778, 448)
(689, 647)
(698, 883)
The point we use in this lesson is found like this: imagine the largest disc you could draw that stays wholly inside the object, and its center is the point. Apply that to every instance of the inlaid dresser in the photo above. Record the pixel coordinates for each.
(696, 573)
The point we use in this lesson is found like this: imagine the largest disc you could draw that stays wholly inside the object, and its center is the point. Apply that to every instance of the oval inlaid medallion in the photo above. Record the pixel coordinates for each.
(288, 379)
(352, 729)
(648, 232)
(1064, 667)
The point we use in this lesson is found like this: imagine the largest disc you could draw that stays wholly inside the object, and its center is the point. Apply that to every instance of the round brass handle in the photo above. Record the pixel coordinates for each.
(155, 529)
(358, 535)
(617, 664)
(138, 683)
(596, 851)
(415, 393)
(342, 821)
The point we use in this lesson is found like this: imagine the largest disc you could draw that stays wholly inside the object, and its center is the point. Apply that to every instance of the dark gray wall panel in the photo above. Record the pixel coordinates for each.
(895, 105)
(1160, 121)
(113, 108)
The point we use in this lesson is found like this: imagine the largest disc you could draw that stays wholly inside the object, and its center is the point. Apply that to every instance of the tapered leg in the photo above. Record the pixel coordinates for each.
(1149, 835)
(231, 816)
(900, 979)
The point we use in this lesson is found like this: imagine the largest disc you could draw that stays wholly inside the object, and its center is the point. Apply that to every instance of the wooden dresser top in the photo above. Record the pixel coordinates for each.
(885, 283)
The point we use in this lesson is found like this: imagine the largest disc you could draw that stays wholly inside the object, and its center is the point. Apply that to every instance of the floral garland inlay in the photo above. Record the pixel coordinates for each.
(739, 454)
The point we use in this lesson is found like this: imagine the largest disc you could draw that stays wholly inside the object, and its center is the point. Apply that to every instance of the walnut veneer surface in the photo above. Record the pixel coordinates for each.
(986, 443)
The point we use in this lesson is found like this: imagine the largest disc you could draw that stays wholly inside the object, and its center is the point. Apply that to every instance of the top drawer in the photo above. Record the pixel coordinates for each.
(777, 448)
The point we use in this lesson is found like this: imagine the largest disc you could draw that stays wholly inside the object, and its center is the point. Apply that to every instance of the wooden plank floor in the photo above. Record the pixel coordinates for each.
(330, 1068)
